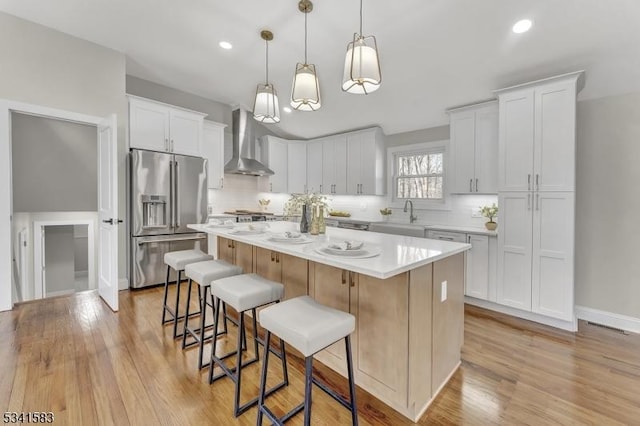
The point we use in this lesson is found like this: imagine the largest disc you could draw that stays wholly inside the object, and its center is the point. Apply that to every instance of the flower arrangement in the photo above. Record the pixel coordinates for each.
(386, 211)
(264, 204)
(293, 206)
(490, 212)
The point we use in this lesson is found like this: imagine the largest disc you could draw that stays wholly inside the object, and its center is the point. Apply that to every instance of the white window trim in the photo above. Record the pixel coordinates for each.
(392, 152)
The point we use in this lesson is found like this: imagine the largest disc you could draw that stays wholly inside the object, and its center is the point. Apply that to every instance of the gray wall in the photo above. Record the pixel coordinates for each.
(608, 204)
(59, 259)
(418, 136)
(45, 67)
(53, 165)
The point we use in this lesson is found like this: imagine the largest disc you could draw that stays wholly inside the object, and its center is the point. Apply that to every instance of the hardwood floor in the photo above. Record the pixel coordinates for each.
(74, 357)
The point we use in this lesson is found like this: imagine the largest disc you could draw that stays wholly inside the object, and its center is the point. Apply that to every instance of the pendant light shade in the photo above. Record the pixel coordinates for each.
(266, 108)
(305, 91)
(362, 73)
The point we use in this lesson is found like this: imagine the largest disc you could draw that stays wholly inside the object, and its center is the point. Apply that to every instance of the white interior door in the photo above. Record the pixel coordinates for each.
(108, 212)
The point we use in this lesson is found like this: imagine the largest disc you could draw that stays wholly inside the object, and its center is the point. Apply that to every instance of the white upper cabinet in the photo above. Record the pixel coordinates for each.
(365, 162)
(275, 156)
(297, 167)
(160, 127)
(537, 140)
(212, 149)
(315, 166)
(474, 145)
(334, 165)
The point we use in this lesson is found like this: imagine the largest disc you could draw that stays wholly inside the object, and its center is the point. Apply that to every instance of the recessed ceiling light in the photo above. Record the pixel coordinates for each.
(522, 26)
(225, 45)
(286, 109)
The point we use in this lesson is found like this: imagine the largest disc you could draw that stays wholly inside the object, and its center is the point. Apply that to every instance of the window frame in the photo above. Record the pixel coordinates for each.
(441, 146)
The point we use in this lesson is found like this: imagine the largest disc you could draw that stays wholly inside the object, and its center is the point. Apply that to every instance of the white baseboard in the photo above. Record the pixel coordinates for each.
(609, 319)
(553, 322)
(123, 284)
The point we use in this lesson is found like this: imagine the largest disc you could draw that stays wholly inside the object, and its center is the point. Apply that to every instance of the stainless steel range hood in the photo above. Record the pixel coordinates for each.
(244, 160)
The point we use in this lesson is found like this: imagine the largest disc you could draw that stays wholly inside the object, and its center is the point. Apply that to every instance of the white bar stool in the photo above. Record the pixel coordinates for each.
(243, 293)
(178, 260)
(203, 273)
(309, 327)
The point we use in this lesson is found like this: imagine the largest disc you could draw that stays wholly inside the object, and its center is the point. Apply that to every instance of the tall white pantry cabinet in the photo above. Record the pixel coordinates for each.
(536, 195)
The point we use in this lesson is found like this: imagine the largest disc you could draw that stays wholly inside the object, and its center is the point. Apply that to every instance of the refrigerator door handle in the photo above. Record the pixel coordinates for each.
(171, 196)
(177, 195)
(169, 240)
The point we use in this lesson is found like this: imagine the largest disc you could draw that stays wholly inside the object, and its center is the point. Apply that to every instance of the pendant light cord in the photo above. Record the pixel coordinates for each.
(360, 18)
(305, 37)
(266, 42)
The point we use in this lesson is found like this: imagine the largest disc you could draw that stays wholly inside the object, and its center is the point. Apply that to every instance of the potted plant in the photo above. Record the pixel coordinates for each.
(490, 212)
(386, 212)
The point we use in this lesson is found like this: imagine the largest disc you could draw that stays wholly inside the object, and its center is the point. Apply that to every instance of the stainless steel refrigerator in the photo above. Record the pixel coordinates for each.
(168, 191)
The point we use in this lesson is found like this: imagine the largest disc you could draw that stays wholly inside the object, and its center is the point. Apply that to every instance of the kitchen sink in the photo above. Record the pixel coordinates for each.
(410, 230)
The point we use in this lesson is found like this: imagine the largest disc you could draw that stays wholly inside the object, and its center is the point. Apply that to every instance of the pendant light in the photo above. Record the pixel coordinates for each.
(361, 65)
(305, 92)
(266, 108)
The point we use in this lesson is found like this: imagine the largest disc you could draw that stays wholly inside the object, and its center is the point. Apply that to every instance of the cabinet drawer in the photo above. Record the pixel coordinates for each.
(447, 236)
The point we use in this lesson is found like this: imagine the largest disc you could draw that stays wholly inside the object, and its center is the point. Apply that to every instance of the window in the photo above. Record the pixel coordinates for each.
(418, 172)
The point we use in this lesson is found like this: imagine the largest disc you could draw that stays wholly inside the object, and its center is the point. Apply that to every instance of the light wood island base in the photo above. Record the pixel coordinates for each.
(409, 327)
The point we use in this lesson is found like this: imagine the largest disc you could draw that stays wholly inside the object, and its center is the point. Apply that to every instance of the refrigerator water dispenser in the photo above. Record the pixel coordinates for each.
(154, 211)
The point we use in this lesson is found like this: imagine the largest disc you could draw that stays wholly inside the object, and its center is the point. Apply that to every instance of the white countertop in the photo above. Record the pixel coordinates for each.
(465, 229)
(398, 254)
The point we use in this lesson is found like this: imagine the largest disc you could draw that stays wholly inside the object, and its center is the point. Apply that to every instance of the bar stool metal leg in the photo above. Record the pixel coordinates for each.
(166, 293)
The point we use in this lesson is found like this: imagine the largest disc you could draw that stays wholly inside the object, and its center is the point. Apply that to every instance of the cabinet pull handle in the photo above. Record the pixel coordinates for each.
(171, 145)
(272, 257)
(344, 277)
(277, 257)
(537, 182)
(537, 201)
(352, 282)
(321, 188)
(469, 239)
(529, 201)
(305, 188)
(166, 144)
(470, 185)
(529, 182)
(221, 182)
(270, 187)
(476, 184)
(446, 238)
(334, 188)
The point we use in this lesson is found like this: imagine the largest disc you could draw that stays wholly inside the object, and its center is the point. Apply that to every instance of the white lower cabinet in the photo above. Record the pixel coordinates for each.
(480, 261)
(535, 252)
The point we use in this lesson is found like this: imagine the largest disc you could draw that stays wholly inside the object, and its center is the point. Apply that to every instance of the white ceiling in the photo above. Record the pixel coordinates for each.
(435, 53)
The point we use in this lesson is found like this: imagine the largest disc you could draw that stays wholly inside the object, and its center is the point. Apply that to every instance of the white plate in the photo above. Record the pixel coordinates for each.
(300, 240)
(248, 232)
(362, 253)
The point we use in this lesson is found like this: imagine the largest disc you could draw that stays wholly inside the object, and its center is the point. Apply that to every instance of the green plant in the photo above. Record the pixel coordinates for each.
(386, 211)
(489, 211)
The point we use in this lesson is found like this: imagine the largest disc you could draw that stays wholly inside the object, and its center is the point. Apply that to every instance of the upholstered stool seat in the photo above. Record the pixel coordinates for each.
(309, 327)
(203, 273)
(178, 260)
(243, 293)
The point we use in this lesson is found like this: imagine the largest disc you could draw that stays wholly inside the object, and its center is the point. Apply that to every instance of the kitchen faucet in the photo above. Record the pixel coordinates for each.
(412, 218)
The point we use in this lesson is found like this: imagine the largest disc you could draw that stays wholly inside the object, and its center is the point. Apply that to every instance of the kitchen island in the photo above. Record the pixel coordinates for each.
(407, 295)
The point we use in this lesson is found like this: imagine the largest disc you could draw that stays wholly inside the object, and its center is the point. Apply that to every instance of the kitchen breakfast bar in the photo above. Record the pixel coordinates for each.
(406, 293)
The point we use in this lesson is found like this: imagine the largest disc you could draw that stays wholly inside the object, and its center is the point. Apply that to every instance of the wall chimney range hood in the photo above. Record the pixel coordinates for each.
(243, 161)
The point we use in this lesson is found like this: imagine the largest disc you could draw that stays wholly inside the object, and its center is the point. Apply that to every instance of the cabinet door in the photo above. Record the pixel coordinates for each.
(381, 351)
(552, 277)
(330, 286)
(515, 146)
(294, 275)
(275, 157)
(148, 125)
(514, 249)
(243, 256)
(266, 265)
(369, 170)
(212, 149)
(354, 156)
(555, 137)
(334, 165)
(185, 132)
(486, 150)
(463, 151)
(297, 167)
(225, 250)
(477, 267)
(315, 167)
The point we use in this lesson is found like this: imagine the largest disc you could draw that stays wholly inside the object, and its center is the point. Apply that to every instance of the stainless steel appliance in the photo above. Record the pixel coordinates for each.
(168, 191)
